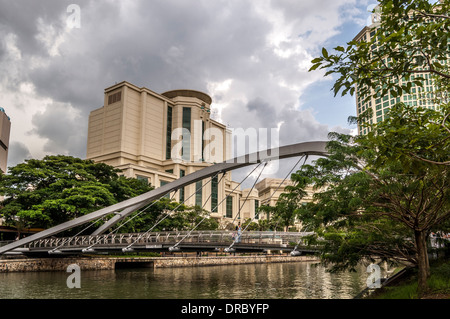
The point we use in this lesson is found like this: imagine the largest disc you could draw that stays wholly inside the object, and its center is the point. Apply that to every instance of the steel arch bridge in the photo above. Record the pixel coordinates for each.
(42, 241)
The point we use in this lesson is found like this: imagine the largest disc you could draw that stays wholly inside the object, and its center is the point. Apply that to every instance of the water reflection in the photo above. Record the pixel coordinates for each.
(303, 280)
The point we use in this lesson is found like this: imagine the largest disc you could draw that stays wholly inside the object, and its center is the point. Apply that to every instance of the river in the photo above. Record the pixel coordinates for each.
(302, 280)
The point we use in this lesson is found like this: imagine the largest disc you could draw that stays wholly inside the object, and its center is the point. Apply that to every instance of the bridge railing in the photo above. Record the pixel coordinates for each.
(222, 237)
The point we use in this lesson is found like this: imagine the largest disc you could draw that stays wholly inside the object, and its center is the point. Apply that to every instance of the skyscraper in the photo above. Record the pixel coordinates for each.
(420, 96)
(5, 128)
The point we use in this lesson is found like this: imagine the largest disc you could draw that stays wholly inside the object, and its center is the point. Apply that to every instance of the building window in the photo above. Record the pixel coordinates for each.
(229, 211)
(182, 174)
(116, 97)
(203, 141)
(3, 146)
(198, 193)
(186, 151)
(169, 133)
(214, 194)
(144, 179)
(162, 183)
(256, 209)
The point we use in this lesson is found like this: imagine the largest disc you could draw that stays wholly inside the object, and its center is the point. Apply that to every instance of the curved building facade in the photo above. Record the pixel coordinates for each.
(162, 137)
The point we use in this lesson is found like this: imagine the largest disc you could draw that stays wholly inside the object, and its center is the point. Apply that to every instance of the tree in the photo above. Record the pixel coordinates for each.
(44, 193)
(270, 224)
(397, 175)
(166, 215)
(196, 217)
(284, 212)
(411, 39)
(366, 209)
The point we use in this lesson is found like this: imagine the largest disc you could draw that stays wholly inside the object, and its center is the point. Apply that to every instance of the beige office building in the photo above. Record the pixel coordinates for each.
(158, 138)
(5, 128)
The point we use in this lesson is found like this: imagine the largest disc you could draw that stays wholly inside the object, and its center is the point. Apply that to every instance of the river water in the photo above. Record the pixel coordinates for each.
(302, 280)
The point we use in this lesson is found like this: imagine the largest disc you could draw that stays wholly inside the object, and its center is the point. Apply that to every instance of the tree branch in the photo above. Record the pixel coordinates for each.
(428, 161)
(432, 15)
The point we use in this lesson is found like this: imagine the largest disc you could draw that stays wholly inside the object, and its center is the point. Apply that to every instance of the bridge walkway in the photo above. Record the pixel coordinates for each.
(163, 241)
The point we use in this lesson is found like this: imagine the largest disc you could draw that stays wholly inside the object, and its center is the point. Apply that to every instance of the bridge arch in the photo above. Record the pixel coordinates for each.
(127, 207)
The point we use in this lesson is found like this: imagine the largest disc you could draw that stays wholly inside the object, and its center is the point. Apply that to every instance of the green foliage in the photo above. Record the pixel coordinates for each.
(368, 204)
(272, 223)
(438, 285)
(250, 225)
(284, 213)
(413, 133)
(47, 192)
(44, 193)
(411, 39)
(392, 182)
(167, 216)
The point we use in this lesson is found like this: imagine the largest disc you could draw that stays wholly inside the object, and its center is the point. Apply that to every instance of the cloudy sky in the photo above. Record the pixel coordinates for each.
(251, 56)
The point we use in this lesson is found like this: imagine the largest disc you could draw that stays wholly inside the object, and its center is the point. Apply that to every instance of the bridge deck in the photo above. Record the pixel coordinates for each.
(164, 241)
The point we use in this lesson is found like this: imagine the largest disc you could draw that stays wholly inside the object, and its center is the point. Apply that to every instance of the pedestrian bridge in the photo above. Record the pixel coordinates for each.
(174, 241)
(46, 241)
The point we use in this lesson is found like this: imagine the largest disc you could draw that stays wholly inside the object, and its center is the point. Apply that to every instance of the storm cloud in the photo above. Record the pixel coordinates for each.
(252, 57)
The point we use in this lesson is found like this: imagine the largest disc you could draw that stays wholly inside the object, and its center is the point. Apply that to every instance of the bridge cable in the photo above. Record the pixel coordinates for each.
(248, 194)
(279, 185)
(268, 199)
(298, 243)
(223, 199)
(99, 237)
(290, 172)
(294, 252)
(189, 233)
(256, 180)
(143, 210)
(56, 251)
(167, 215)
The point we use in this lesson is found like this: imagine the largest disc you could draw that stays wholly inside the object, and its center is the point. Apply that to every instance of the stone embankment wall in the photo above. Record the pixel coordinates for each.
(101, 263)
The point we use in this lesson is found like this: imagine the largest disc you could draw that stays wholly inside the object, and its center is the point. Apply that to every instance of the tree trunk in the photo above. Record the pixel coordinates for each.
(422, 261)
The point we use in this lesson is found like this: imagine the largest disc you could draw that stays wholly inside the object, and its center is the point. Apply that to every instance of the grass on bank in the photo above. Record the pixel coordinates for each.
(439, 284)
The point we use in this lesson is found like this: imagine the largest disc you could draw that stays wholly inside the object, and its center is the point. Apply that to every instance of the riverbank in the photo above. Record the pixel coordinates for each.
(406, 287)
(109, 263)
